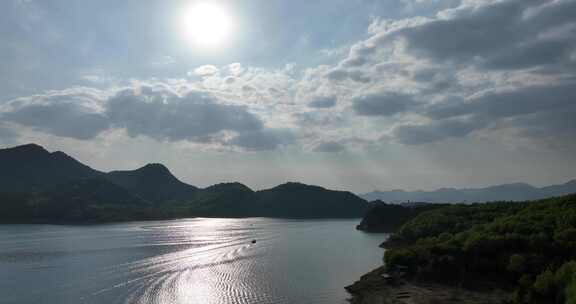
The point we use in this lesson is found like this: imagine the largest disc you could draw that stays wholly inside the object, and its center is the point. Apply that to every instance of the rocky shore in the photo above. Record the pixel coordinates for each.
(380, 287)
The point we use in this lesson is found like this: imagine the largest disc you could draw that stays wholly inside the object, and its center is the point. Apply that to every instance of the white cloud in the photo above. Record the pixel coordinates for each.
(206, 70)
(478, 48)
(160, 111)
(235, 69)
(394, 82)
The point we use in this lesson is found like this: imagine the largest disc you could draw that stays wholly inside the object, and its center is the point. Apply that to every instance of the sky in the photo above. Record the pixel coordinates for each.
(355, 95)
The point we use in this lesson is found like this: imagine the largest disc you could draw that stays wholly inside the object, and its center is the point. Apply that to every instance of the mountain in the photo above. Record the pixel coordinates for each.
(226, 200)
(299, 201)
(506, 192)
(92, 199)
(290, 200)
(558, 190)
(30, 167)
(153, 182)
(37, 185)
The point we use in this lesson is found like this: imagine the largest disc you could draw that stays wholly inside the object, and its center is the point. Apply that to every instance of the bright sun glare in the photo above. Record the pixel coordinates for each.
(207, 24)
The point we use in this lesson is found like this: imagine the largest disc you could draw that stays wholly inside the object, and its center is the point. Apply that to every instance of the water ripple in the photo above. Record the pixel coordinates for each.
(205, 261)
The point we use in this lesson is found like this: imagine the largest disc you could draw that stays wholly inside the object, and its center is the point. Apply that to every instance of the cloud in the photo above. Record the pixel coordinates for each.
(382, 104)
(329, 147)
(509, 103)
(317, 118)
(235, 69)
(229, 80)
(550, 51)
(261, 140)
(340, 74)
(498, 66)
(427, 6)
(75, 113)
(65, 120)
(511, 34)
(489, 66)
(158, 111)
(417, 134)
(206, 70)
(164, 115)
(323, 102)
(541, 113)
(248, 89)
(488, 36)
(556, 129)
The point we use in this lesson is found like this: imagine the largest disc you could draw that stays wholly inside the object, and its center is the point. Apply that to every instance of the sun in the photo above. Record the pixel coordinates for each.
(206, 24)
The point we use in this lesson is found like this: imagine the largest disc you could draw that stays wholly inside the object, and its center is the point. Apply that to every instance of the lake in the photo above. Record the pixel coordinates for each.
(185, 261)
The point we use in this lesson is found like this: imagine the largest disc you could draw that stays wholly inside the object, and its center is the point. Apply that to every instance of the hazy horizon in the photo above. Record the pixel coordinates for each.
(354, 95)
(298, 181)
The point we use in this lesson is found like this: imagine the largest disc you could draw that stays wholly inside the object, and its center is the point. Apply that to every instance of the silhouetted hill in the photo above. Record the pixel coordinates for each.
(153, 182)
(292, 200)
(37, 185)
(382, 217)
(30, 167)
(299, 200)
(93, 199)
(506, 192)
(226, 200)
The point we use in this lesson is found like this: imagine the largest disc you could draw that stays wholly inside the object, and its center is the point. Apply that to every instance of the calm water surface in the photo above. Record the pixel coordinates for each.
(185, 261)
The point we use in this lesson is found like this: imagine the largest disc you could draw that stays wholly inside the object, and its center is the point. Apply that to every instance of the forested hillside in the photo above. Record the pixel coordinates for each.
(528, 248)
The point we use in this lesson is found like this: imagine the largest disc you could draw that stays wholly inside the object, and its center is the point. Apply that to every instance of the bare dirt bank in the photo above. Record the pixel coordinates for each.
(376, 287)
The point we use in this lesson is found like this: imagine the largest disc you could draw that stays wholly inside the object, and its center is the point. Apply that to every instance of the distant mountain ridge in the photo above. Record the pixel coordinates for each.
(41, 186)
(505, 192)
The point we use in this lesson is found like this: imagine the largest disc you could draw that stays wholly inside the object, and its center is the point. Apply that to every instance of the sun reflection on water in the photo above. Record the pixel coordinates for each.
(214, 265)
(207, 261)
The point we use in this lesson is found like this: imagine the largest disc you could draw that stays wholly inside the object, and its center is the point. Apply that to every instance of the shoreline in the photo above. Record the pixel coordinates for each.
(102, 222)
(379, 287)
